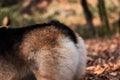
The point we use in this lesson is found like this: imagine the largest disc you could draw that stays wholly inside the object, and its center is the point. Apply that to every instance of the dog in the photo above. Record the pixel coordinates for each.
(48, 51)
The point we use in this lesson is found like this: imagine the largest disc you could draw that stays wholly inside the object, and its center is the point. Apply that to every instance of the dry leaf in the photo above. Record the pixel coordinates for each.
(99, 70)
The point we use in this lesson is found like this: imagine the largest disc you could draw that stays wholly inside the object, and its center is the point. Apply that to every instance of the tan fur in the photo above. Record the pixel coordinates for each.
(42, 50)
(14, 71)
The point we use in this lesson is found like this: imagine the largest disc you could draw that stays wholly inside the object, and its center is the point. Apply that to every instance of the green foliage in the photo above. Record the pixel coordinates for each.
(55, 12)
(82, 31)
(74, 1)
(7, 3)
(16, 18)
(11, 12)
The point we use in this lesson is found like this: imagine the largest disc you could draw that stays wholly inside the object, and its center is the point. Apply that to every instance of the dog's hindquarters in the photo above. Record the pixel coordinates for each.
(59, 63)
(51, 51)
(63, 62)
(52, 54)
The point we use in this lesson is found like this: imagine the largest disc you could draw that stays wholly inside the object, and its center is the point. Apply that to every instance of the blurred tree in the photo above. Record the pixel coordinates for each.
(103, 17)
(7, 3)
(30, 6)
(89, 18)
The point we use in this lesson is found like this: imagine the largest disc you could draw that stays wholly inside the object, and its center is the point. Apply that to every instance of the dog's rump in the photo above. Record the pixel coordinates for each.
(49, 50)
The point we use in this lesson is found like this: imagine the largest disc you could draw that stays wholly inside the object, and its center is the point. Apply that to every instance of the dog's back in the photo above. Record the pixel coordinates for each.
(51, 51)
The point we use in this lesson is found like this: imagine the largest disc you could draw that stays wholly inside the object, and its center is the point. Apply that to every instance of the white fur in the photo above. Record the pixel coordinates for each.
(82, 57)
(71, 59)
(73, 63)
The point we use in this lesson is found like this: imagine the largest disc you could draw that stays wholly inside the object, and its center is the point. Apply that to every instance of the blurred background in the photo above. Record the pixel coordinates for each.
(90, 18)
(97, 21)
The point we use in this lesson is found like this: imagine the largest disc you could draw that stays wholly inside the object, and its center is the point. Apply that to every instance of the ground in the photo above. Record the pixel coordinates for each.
(103, 59)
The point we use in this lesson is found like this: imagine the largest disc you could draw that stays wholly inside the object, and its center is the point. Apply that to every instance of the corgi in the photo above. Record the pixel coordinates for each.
(48, 51)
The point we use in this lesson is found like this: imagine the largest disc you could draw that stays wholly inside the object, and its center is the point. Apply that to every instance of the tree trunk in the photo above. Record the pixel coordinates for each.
(103, 17)
(89, 18)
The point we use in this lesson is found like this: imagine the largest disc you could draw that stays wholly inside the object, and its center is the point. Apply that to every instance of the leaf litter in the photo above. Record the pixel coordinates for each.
(103, 59)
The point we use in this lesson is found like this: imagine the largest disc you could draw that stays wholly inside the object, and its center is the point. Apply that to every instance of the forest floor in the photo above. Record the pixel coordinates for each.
(103, 59)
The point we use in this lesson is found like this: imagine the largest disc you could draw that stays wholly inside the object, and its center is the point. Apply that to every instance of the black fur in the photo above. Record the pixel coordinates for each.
(11, 36)
(66, 30)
